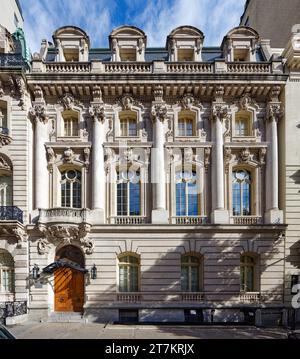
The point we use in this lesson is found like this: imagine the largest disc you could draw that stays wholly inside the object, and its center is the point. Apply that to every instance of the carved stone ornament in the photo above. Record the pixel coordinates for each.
(188, 155)
(67, 101)
(219, 93)
(1, 89)
(220, 111)
(97, 113)
(274, 93)
(64, 235)
(274, 111)
(262, 156)
(127, 102)
(4, 164)
(207, 153)
(38, 113)
(158, 93)
(227, 158)
(245, 155)
(14, 231)
(159, 112)
(38, 93)
(245, 102)
(50, 155)
(97, 94)
(21, 90)
(187, 101)
(109, 135)
(69, 155)
(86, 156)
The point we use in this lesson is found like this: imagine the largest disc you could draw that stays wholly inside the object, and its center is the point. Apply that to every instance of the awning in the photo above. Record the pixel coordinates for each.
(60, 263)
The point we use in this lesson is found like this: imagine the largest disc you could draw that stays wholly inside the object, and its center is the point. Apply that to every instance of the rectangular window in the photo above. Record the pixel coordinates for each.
(128, 127)
(241, 127)
(6, 280)
(128, 316)
(71, 127)
(186, 127)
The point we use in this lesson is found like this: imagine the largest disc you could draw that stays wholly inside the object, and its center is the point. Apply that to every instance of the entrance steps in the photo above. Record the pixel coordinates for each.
(66, 317)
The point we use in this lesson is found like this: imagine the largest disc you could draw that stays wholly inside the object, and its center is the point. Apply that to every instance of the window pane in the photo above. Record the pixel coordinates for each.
(250, 279)
(134, 199)
(246, 199)
(133, 279)
(193, 204)
(132, 128)
(184, 279)
(180, 199)
(74, 127)
(189, 127)
(123, 127)
(181, 131)
(77, 194)
(195, 279)
(122, 199)
(242, 278)
(236, 199)
(123, 278)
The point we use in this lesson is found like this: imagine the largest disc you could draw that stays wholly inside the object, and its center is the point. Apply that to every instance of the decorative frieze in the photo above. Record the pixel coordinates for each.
(15, 231)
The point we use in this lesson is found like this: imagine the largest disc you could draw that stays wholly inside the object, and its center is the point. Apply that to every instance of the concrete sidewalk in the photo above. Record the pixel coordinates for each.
(157, 332)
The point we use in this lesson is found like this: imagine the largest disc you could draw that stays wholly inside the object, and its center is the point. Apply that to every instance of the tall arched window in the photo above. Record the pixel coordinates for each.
(71, 128)
(187, 196)
(71, 188)
(241, 192)
(129, 267)
(248, 276)
(128, 193)
(6, 272)
(190, 273)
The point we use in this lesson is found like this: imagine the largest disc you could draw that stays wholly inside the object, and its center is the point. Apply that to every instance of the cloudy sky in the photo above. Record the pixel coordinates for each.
(156, 17)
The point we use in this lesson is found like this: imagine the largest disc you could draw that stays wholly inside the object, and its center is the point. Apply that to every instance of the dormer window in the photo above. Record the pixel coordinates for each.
(185, 55)
(71, 55)
(128, 54)
(241, 55)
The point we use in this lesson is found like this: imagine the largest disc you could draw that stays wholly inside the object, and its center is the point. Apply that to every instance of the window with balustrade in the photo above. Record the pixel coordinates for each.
(241, 192)
(186, 124)
(128, 193)
(129, 269)
(70, 123)
(243, 124)
(71, 188)
(128, 125)
(6, 272)
(249, 273)
(187, 194)
(191, 273)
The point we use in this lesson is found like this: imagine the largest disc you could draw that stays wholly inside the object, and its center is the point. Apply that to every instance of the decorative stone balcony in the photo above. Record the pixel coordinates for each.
(128, 220)
(192, 297)
(5, 139)
(129, 297)
(190, 67)
(246, 220)
(65, 215)
(250, 297)
(11, 213)
(249, 67)
(128, 67)
(189, 220)
(11, 223)
(73, 67)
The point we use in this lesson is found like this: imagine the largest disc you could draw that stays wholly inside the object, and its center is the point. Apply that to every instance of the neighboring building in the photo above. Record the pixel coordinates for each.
(272, 19)
(148, 178)
(11, 16)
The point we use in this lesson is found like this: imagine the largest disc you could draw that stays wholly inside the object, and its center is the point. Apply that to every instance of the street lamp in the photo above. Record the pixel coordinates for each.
(94, 272)
(35, 272)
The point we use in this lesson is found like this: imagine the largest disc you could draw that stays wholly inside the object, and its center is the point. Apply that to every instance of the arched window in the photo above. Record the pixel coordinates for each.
(190, 273)
(129, 267)
(186, 124)
(128, 193)
(70, 123)
(241, 193)
(71, 189)
(243, 124)
(128, 124)
(248, 276)
(6, 272)
(187, 196)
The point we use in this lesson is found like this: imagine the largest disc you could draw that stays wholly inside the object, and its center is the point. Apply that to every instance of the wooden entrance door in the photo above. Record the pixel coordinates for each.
(69, 283)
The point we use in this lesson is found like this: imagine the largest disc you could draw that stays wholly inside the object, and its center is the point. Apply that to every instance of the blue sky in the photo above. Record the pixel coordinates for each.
(156, 17)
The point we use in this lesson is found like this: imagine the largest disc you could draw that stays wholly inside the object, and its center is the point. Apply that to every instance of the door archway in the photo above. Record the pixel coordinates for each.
(69, 282)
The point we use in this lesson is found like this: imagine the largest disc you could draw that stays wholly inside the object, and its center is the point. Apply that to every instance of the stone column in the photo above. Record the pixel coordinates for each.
(273, 214)
(219, 114)
(98, 172)
(41, 175)
(158, 173)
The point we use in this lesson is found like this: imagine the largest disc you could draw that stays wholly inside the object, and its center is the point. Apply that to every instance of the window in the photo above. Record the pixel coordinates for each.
(190, 273)
(242, 124)
(71, 189)
(187, 196)
(185, 55)
(16, 20)
(241, 55)
(128, 127)
(71, 54)
(128, 316)
(248, 267)
(3, 121)
(129, 273)
(186, 124)
(128, 54)
(128, 193)
(241, 193)
(6, 272)
(5, 190)
(70, 124)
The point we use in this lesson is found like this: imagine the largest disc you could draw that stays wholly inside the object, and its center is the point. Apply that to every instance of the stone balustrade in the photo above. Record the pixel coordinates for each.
(70, 67)
(190, 67)
(250, 297)
(192, 297)
(189, 220)
(247, 67)
(128, 67)
(246, 220)
(130, 220)
(72, 215)
(129, 297)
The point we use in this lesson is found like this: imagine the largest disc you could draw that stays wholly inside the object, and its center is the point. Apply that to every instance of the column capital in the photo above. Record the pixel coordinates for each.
(219, 111)
(159, 112)
(38, 113)
(97, 112)
(274, 111)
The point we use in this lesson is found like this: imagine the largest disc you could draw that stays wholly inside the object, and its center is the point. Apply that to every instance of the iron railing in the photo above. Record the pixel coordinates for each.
(12, 60)
(4, 131)
(12, 309)
(11, 213)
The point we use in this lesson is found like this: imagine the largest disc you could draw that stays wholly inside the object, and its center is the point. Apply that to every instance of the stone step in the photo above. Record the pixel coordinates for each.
(66, 317)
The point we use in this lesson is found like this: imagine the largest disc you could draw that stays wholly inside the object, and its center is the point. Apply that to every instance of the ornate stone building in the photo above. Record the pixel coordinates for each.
(143, 184)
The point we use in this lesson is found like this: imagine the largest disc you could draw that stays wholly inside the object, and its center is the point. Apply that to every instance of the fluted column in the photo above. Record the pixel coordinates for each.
(41, 175)
(273, 214)
(98, 173)
(158, 173)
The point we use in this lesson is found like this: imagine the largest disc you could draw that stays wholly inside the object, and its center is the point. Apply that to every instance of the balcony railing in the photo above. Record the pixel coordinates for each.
(189, 220)
(12, 60)
(192, 297)
(68, 67)
(190, 67)
(128, 220)
(250, 297)
(128, 67)
(72, 215)
(129, 297)
(246, 220)
(11, 213)
(249, 67)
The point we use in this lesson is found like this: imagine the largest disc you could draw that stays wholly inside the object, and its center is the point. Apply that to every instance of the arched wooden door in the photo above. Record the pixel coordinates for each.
(69, 283)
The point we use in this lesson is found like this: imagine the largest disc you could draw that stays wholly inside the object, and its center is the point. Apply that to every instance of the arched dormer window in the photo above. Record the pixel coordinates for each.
(241, 192)
(249, 272)
(243, 124)
(129, 272)
(128, 193)
(71, 188)
(186, 124)
(128, 124)
(187, 196)
(191, 273)
(70, 123)
(6, 272)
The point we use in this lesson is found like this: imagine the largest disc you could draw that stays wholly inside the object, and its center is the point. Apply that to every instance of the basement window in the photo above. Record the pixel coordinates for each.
(128, 316)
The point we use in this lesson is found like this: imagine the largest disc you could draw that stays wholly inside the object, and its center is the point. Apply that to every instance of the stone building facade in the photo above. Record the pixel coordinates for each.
(143, 184)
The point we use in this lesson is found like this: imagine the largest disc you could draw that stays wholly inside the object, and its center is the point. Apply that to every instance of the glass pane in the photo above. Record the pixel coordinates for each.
(195, 278)
(242, 278)
(132, 128)
(184, 279)
(123, 278)
(250, 279)
(180, 199)
(189, 128)
(74, 127)
(133, 279)
(123, 127)
(236, 199)
(134, 189)
(181, 131)
(77, 194)
(246, 199)
(193, 205)
(122, 199)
